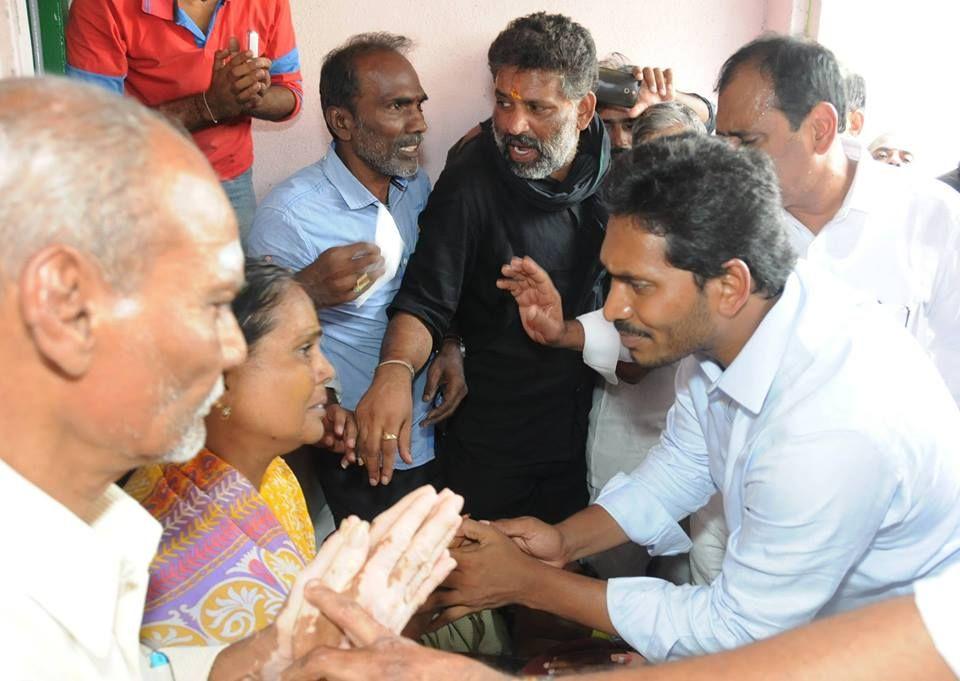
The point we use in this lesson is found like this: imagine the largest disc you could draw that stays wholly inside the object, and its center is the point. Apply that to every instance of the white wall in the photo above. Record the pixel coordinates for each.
(16, 57)
(907, 54)
(452, 37)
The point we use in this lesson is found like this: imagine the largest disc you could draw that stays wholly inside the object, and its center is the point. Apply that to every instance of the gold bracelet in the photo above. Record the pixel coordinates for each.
(413, 372)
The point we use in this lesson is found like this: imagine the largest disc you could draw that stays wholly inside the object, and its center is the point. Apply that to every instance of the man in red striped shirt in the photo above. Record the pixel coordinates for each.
(184, 58)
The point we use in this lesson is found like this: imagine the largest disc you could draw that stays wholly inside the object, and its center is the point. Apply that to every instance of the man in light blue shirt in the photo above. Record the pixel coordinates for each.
(329, 221)
(828, 430)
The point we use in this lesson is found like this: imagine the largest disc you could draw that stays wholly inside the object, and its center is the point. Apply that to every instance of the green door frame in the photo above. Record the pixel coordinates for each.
(48, 21)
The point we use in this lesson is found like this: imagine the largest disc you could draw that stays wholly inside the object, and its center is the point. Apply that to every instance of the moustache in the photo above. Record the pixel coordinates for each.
(410, 140)
(628, 329)
(523, 141)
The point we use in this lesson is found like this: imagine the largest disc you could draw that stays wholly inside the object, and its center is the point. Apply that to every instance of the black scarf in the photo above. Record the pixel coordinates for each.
(589, 167)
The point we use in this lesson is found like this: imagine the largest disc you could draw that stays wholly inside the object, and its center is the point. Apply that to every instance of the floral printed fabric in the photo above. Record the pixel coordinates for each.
(229, 553)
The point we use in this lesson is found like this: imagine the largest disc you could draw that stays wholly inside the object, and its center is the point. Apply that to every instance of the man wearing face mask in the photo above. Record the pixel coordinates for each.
(329, 221)
(524, 184)
(655, 85)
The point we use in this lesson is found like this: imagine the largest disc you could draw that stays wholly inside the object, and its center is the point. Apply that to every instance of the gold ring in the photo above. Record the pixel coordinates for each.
(363, 281)
(388, 436)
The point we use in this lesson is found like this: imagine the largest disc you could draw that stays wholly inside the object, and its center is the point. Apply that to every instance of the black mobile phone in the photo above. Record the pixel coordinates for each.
(617, 88)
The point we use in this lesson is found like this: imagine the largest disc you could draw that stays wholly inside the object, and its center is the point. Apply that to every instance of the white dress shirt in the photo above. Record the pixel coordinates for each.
(896, 237)
(833, 440)
(937, 599)
(74, 593)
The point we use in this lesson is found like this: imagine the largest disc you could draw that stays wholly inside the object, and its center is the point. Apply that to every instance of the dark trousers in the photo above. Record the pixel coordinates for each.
(550, 491)
(348, 492)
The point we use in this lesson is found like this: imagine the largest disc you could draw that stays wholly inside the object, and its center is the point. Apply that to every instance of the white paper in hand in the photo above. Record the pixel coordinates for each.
(391, 249)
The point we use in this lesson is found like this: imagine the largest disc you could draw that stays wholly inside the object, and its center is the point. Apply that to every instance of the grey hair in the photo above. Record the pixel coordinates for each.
(72, 162)
(548, 42)
(665, 116)
(856, 89)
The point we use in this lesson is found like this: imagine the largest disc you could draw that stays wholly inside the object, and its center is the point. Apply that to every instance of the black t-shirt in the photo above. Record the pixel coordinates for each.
(527, 404)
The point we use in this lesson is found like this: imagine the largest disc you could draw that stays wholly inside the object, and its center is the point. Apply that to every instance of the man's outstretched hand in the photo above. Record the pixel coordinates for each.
(539, 303)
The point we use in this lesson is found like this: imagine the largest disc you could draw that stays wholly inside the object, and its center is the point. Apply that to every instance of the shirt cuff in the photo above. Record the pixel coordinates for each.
(936, 599)
(641, 517)
(601, 345)
(632, 603)
(192, 663)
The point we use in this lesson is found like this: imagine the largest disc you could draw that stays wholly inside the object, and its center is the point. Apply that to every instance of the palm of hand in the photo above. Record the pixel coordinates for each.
(390, 568)
(646, 99)
(541, 314)
(408, 561)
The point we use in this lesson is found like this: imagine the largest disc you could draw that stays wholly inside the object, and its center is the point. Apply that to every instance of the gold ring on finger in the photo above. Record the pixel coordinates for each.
(388, 436)
(363, 281)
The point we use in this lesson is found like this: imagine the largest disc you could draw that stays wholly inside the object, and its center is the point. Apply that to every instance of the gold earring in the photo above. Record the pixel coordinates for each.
(225, 410)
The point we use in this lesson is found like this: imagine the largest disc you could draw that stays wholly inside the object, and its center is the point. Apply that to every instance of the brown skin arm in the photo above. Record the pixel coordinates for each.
(446, 375)
(589, 532)
(239, 85)
(276, 104)
(189, 111)
(244, 657)
(493, 571)
(387, 406)
(571, 596)
(657, 86)
(885, 642)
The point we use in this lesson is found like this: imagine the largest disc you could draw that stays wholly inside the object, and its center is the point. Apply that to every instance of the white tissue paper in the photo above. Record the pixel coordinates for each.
(391, 248)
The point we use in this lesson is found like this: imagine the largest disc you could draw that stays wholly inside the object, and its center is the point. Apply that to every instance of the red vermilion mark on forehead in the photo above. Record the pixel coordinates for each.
(515, 94)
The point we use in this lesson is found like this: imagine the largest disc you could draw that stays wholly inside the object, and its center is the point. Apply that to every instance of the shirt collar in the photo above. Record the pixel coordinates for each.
(354, 194)
(77, 570)
(749, 377)
(164, 9)
(861, 195)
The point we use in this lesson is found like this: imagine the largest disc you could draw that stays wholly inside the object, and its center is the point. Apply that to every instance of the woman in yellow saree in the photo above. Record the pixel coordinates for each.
(236, 531)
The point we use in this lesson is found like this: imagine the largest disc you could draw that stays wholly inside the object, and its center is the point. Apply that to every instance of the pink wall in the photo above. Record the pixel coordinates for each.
(452, 36)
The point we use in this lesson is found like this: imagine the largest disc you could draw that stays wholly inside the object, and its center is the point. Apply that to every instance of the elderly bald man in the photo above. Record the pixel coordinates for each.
(120, 258)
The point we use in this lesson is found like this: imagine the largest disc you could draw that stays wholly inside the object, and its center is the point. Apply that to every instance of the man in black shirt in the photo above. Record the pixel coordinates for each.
(524, 183)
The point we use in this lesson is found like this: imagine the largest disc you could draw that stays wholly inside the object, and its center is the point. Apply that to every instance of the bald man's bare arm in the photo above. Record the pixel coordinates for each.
(884, 641)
